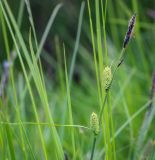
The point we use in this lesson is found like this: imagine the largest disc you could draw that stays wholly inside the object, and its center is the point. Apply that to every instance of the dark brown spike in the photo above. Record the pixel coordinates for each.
(129, 31)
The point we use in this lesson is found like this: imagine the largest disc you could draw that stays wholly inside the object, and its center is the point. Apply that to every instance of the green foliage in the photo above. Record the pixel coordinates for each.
(46, 116)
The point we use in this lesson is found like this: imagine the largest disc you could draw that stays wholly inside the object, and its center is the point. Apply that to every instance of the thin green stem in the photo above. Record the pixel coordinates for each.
(93, 148)
(102, 109)
(44, 123)
(112, 128)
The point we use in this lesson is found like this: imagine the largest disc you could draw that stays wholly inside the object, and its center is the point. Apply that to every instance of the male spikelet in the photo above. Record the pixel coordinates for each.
(94, 123)
(130, 31)
(107, 77)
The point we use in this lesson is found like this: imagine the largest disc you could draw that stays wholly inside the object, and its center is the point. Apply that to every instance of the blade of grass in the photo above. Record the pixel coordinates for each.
(45, 34)
(99, 40)
(104, 11)
(39, 85)
(45, 124)
(35, 37)
(149, 115)
(94, 54)
(59, 65)
(70, 116)
(25, 74)
(131, 118)
(31, 21)
(3, 138)
(10, 59)
(112, 128)
(125, 124)
(130, 125)
(43, 97)
(76, 42)
(10, 142)
(73, 62)
(20, 13)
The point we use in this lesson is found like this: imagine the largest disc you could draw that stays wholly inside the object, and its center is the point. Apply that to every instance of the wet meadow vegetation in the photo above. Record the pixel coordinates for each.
(77, 80)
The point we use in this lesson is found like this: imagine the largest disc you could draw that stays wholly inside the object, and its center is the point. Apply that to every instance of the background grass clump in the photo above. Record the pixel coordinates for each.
(52, 60)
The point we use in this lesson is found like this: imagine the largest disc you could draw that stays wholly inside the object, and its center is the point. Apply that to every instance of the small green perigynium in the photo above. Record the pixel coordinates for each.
(94, 123)
(107, 77)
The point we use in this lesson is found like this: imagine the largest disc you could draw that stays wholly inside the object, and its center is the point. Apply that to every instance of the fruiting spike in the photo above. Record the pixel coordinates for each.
(107, 77)
(94, 123)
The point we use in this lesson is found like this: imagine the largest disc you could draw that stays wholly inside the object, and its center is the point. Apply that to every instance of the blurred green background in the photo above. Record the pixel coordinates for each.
(132, 84)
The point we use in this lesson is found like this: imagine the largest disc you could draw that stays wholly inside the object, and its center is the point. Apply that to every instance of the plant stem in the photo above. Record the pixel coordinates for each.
(93, 148)
(102, 109)
(120, 61)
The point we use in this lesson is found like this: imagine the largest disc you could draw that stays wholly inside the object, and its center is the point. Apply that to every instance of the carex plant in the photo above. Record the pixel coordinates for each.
(104, 122)
(28, 56)
(101, 123)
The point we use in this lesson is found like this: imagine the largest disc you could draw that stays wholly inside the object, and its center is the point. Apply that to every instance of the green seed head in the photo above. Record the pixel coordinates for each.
(94, 123)
(107, 77)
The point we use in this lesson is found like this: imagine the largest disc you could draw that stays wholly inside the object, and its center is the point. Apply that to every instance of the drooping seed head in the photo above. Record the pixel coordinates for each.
(94, 123)
(107, 77)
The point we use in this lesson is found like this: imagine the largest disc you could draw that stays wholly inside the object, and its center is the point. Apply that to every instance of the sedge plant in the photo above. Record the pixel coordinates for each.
(108, 77)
